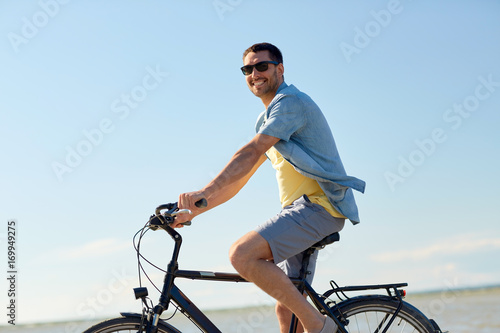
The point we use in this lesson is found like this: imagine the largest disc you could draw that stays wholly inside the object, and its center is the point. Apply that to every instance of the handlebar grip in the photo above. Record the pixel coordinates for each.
(202, 203)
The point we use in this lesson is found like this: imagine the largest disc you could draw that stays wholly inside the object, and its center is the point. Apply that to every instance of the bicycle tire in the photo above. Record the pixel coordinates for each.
(126, 325)
(372, 314)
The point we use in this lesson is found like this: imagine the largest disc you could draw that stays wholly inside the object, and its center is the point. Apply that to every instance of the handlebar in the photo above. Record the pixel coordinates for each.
(159, 220)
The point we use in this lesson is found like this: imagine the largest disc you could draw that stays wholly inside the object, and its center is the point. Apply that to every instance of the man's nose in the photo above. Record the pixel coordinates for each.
(255, 72)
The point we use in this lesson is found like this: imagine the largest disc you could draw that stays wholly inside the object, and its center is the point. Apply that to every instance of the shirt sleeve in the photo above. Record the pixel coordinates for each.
(285, 118)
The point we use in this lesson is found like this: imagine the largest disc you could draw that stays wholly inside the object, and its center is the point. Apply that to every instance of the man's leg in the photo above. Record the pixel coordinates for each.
(285, 317)
(251, 256)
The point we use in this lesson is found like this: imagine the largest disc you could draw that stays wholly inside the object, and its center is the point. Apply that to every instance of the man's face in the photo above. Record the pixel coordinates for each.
(263, 84)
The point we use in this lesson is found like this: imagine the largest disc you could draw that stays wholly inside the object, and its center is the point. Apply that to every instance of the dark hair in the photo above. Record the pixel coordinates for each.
(273, 51)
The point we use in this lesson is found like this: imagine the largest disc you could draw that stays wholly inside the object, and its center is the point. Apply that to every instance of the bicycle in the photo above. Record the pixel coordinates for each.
(365, 313)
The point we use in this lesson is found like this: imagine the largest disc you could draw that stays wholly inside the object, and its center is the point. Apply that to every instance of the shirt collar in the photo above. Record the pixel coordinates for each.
(281, 87)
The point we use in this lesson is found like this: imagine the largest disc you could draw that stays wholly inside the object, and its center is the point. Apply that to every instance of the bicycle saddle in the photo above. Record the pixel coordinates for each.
(335, 237)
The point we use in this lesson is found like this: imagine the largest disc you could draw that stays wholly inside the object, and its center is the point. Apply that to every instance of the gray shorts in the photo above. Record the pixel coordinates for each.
(296, 228)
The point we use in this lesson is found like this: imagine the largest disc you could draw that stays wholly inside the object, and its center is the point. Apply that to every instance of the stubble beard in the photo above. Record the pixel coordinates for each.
(272, 86)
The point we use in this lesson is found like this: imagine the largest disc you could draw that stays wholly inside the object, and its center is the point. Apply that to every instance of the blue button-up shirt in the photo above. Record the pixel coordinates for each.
(306, 141)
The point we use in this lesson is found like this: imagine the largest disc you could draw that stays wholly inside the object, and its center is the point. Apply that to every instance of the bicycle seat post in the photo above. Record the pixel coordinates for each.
(306, 255)
(305, 263)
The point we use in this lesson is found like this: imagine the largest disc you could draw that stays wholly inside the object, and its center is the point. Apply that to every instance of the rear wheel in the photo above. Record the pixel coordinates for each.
(373, 314)
(127, 325)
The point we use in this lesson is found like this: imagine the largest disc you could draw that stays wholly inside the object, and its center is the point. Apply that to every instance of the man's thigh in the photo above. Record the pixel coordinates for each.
(297, 228)
(251, 246)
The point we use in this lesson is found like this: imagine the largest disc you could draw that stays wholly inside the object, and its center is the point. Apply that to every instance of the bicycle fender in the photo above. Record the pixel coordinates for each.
(161, 322)
(338, 308)
(130, 314)
(383, 298)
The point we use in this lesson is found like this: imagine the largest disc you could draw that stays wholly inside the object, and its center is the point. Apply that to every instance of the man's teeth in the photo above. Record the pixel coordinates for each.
(258, 83)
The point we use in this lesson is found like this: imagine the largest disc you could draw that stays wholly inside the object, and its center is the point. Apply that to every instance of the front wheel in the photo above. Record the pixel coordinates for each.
(373, 313)
(127, 325)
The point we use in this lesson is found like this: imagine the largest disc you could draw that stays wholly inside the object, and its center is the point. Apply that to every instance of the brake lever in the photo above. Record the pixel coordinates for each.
(159, 219)
(181, 211)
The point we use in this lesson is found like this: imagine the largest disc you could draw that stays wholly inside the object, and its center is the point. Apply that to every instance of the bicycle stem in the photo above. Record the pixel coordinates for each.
(172, 267)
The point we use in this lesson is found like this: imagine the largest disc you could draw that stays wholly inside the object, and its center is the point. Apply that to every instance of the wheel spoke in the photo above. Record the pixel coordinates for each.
(373, 314)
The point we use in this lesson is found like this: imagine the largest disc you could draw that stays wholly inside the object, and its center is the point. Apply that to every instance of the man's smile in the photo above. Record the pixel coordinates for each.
(258, 83)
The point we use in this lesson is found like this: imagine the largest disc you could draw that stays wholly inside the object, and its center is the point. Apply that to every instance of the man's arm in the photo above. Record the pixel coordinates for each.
(231, 179)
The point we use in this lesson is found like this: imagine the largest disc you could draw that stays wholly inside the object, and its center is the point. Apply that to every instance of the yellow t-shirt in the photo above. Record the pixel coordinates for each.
(292, 185)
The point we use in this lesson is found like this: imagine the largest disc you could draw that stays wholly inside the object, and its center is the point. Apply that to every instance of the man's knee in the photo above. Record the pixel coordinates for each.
(239, 254)
(248, 248)
(235, 255)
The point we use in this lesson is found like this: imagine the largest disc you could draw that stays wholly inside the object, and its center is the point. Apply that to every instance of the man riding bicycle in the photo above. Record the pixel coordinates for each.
(315, 191)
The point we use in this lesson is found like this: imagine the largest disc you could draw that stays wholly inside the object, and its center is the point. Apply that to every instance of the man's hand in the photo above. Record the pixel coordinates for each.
(187, 201)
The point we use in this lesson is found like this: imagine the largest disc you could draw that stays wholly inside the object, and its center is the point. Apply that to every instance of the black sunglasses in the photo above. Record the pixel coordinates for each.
(260, 66)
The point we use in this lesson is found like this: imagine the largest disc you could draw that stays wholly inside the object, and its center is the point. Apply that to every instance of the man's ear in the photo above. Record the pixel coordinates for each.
(281, 69)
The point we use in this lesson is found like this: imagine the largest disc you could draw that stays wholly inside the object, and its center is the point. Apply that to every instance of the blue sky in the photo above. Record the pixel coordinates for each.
(110, 108)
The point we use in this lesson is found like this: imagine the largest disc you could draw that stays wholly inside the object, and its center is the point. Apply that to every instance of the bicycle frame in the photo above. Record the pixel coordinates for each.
(201, 320)
(171, 292)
